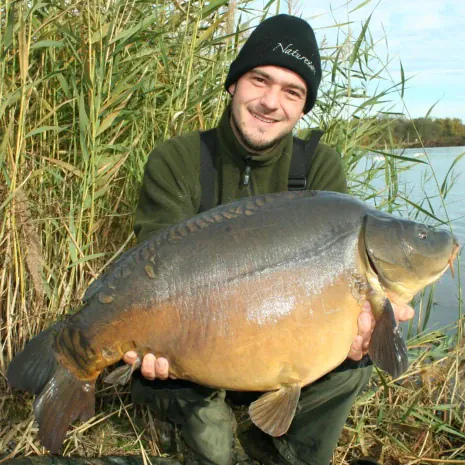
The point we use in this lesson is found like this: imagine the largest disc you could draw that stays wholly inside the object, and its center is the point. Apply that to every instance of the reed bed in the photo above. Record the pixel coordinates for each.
(87, 89)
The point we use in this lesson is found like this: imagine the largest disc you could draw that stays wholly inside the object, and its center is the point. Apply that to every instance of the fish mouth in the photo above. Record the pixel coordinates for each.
(450, 263)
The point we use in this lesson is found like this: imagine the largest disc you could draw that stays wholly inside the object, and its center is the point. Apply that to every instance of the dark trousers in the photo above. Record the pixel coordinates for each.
(207, 421)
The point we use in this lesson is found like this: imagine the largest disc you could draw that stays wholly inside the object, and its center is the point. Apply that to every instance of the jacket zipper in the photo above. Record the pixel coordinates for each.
(246, 180)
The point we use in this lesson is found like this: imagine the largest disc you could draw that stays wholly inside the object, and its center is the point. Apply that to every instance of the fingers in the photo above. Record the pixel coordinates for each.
(403, 312)
(152, 367)
(356, 352)
(148, 366)
(162, 368)
(366, 323)
(130, 357)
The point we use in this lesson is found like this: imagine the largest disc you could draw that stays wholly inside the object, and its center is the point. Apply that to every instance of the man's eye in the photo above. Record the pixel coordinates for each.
(293, 93)
(259, 79)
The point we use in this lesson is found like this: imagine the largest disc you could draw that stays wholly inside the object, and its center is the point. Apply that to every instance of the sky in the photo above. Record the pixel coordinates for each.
(428, 36)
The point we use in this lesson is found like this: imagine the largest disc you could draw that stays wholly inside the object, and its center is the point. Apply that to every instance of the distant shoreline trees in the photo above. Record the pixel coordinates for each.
(431, 132)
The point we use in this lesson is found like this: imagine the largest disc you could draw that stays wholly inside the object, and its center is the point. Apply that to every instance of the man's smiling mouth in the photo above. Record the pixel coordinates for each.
(262, 118)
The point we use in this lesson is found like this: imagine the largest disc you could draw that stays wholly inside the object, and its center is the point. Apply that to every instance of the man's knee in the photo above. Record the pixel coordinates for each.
(206, 420)
(209, 430)
(320, 417)
(171, 399)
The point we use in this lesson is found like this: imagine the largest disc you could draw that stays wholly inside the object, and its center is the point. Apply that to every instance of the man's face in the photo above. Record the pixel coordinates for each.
(267, 102)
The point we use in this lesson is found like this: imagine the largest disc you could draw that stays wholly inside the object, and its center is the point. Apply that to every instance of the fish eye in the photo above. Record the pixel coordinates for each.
(422, 235)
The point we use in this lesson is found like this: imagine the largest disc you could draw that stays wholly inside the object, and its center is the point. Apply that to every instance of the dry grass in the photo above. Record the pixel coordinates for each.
(418, 419)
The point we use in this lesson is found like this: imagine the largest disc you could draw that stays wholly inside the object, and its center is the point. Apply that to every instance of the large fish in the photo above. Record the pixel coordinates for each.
(262, 294)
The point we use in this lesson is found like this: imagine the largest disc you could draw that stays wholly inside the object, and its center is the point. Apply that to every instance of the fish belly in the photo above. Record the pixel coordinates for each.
(253, 337)
(272, 335)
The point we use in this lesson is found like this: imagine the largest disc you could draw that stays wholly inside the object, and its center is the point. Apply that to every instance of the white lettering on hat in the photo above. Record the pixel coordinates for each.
(295, 53)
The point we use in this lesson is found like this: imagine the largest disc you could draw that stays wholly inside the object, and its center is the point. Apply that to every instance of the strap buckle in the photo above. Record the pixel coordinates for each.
(296, 183)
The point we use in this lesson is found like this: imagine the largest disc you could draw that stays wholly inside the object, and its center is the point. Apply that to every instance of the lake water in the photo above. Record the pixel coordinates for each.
(418, 183)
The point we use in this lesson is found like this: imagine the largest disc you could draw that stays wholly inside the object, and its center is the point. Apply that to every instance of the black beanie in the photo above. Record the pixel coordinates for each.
(285, 41)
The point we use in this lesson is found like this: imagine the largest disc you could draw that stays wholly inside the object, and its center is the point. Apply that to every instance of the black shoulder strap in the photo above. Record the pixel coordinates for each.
(302, 157)
(207, 169)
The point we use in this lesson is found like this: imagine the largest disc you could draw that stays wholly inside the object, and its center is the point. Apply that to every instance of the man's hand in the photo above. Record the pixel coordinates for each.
(152, 367)
(366, 324)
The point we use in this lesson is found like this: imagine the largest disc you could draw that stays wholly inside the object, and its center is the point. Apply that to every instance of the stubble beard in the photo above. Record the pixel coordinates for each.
(249, 142)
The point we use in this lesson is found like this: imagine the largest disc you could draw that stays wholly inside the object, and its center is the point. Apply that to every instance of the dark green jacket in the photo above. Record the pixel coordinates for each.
(171, 187)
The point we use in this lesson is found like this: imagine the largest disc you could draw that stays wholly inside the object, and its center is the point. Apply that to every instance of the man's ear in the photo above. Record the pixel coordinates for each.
(232, 89)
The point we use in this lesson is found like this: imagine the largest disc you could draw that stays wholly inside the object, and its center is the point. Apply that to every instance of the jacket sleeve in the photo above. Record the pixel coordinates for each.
(170, 190)
(327, 172)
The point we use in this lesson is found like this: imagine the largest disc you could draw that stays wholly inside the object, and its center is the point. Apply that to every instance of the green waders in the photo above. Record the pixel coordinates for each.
(207, 422)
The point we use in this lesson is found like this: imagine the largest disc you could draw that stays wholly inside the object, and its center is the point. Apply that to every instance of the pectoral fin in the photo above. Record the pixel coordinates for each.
(387, 346)
(121, 375)
(274, 411)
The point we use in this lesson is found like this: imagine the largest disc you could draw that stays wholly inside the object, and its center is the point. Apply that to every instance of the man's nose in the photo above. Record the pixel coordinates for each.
(270, 99)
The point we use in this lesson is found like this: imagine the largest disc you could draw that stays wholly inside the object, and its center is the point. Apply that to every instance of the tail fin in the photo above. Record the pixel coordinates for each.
(62, 397)
(32, 368)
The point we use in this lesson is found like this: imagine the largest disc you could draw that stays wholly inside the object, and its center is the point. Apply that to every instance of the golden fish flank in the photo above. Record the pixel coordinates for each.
(278, 274)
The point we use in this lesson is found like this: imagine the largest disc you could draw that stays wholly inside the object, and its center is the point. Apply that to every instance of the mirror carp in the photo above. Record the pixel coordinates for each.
(262, 294)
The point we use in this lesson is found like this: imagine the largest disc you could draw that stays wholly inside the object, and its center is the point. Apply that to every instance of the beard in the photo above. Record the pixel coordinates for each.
(251, 144)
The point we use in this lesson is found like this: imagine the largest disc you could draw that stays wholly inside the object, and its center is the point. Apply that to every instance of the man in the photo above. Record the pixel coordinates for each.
(273, 83)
